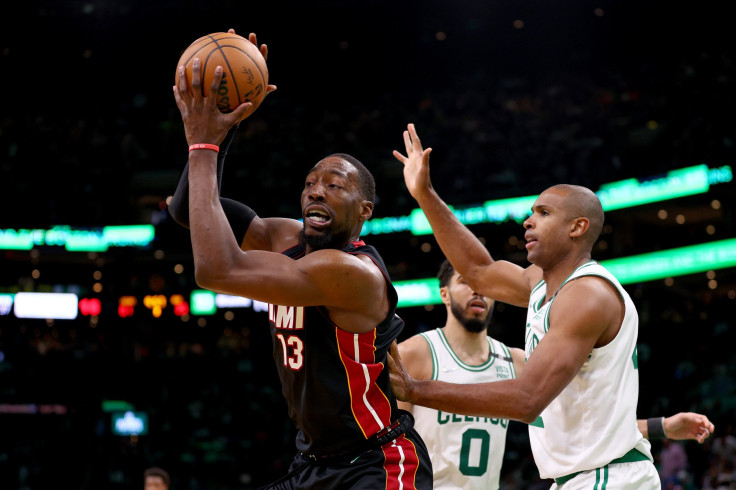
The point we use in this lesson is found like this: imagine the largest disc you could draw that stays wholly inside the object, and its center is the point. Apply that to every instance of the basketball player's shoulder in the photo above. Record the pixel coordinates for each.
(369, 259)
(416, 344)
(343, 258)
(416, 356)
(597, 289)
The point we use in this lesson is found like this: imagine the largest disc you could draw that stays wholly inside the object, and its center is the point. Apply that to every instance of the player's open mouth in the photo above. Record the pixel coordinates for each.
(317, 217)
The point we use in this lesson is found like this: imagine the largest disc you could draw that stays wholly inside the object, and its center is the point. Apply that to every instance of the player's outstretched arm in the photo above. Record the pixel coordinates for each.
(681, 426)
(500, 280)
(575, 327)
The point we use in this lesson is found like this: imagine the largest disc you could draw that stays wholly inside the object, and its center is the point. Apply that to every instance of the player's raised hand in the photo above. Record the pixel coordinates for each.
(416, 163)
(264, 51)
(688, 425)
(203, 121)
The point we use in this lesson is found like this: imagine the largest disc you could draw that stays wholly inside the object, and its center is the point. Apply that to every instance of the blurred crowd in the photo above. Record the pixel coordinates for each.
(494, 136)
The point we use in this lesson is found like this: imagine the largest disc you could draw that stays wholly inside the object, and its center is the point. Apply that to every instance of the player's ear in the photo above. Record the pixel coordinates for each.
(366, 210)
(578, 227)
(445, 295)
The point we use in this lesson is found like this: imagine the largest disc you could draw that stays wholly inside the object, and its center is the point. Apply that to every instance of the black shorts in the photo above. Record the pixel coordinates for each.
(402, 463)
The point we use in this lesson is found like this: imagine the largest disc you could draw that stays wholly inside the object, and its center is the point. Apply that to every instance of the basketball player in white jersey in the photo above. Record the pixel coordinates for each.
(579, 388)
(467, 452)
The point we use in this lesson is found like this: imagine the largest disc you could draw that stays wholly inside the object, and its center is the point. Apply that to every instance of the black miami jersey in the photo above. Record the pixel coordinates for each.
(336, 383)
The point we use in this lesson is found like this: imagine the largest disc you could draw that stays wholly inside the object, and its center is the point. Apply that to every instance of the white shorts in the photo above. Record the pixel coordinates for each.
(639, 475)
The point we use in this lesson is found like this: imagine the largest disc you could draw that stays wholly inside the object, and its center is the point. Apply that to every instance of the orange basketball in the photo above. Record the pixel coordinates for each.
(244, 76)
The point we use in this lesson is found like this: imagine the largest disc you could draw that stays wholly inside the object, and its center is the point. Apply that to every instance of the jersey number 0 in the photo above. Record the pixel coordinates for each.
(484, 439)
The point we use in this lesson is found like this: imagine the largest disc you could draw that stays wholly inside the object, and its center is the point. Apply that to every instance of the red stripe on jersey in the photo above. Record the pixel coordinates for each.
(401, 464)
(370, 406)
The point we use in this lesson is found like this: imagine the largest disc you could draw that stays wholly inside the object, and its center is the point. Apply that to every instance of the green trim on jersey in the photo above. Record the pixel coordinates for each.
(539, 285)
(435, 362)
(546, 316)
(635, 357)
(587, 264)
(507, 351)
(632, 456)
(467, 367)
(608, 280)
(538, 422)
(552, 299)
(539, 304)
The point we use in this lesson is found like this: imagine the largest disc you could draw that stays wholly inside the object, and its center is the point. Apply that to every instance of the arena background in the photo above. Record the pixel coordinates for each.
(512, 96)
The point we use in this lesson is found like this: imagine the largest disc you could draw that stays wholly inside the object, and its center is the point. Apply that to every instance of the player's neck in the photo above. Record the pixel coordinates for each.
(471, 347)
(554, 277)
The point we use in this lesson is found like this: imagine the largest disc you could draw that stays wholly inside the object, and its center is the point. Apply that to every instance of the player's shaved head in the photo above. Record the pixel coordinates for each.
(582, 202)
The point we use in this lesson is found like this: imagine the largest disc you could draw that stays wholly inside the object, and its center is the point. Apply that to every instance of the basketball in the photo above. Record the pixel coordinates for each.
(244, 76)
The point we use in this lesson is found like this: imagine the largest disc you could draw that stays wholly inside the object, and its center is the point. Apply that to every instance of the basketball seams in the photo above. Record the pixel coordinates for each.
(227, 62)
(255, 63)
(232, 45)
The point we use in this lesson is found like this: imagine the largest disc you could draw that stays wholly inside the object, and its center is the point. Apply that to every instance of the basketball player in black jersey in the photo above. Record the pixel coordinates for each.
(331, 304)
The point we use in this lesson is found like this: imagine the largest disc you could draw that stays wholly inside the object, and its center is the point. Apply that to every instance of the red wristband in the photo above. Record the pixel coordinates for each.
(204, 146)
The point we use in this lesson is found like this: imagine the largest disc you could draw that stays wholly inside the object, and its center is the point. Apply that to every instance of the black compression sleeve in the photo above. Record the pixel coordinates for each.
(239, 216)
(179, 205)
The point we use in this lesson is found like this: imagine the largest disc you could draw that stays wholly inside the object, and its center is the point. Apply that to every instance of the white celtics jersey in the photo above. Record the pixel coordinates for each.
(466, 452)
(593, 420)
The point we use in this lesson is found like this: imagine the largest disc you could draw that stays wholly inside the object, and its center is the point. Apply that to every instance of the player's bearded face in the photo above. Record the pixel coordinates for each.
(331, 205)
(471, 323)
(326, 239)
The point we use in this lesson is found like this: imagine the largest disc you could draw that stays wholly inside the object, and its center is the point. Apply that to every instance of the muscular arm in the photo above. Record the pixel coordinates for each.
(681, 426)
(575, 327)
(270, 234)
(500, 280)
(352, 287)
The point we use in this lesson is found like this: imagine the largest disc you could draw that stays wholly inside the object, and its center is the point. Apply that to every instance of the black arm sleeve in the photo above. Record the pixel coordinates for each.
(238, 214)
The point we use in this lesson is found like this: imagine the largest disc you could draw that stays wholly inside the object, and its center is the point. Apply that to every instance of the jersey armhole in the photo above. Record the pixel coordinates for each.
(433, 354)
